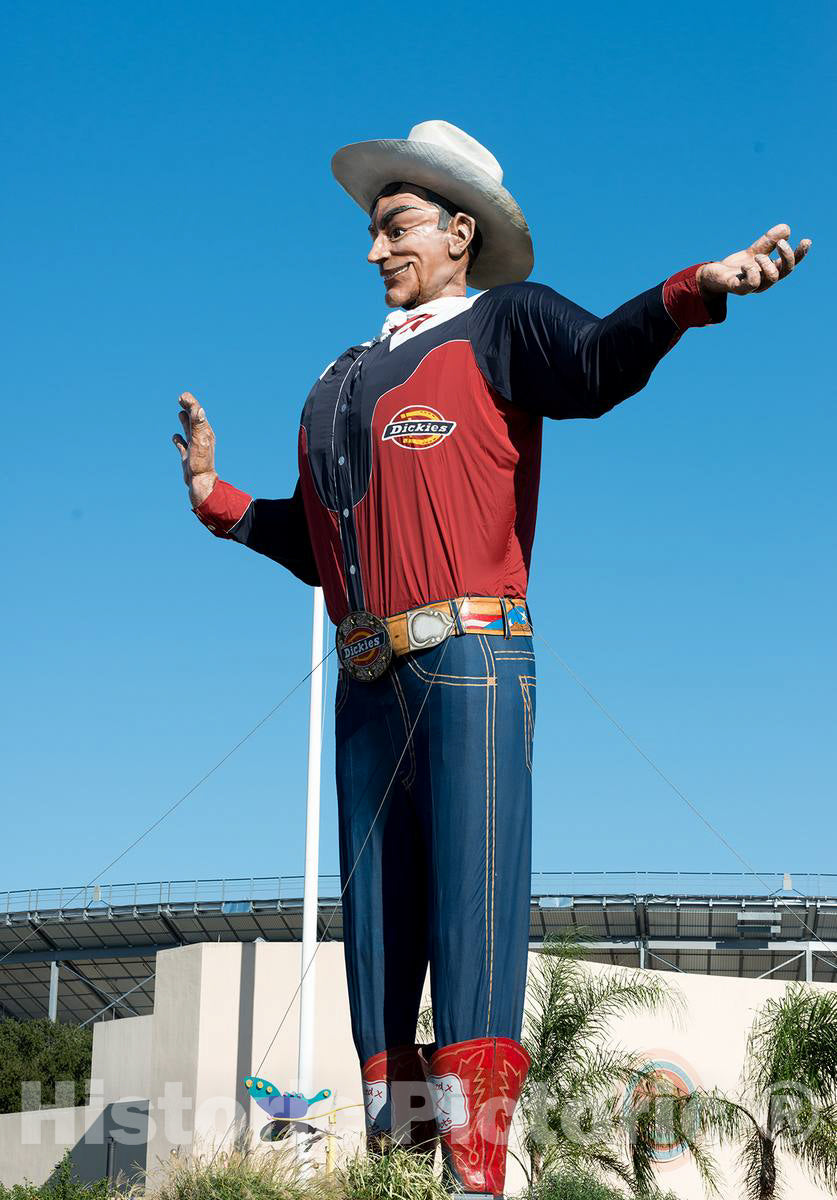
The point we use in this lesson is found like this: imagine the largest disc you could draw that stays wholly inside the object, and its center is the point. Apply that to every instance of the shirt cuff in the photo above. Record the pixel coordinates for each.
(223, 508)
(686, 306)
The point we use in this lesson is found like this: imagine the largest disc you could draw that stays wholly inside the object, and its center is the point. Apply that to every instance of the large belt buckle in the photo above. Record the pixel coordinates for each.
(364, 646)
(428, 627)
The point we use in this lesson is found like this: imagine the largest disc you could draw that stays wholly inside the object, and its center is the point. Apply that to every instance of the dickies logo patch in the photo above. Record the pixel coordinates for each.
(417, 428)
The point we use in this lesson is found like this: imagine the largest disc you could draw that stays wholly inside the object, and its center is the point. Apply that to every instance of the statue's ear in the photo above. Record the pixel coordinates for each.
(461, 230)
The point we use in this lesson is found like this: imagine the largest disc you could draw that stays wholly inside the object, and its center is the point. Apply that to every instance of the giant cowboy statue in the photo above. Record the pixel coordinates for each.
(415, 507)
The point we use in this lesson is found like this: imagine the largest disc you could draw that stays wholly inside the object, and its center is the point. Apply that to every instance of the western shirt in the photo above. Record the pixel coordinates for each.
(419, 451)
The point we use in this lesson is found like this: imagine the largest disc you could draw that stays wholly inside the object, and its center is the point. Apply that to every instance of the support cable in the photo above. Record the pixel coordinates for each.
(677, 791)
(339, 901)
(154, 824)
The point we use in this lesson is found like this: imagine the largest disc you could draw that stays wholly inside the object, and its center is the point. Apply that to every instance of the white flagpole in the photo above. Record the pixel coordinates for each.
(307, 993)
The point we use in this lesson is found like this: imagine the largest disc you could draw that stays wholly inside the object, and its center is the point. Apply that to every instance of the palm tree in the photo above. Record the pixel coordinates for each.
(425, 1033)
(572, 1104)
(788, 1101)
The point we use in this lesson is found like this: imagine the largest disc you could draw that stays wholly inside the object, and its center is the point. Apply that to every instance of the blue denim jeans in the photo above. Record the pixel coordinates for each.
(436, 864)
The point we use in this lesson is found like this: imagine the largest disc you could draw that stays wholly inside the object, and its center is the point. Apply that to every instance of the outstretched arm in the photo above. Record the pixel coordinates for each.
(616, 367)
(275, 528)
(543, 352)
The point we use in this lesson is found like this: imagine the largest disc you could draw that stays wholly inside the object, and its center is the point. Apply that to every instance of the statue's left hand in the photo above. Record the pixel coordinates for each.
(753, 270)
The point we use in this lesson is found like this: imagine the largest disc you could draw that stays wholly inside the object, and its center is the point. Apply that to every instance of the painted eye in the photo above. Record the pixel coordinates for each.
(259, 1085)
(248, 1083)
(326, 1092)
(269, 1088)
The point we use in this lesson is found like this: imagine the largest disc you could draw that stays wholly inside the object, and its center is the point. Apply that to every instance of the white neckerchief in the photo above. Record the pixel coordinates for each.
(402, 323)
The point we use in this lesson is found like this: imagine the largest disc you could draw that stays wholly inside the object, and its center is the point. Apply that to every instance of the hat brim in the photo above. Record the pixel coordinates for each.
(506, 256)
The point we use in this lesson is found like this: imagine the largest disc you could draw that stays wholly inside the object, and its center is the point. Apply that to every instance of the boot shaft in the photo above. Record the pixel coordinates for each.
(399, 1109)
(475, 1087)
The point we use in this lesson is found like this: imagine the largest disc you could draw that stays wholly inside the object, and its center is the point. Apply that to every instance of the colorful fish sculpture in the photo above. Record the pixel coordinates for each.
(277, 1103)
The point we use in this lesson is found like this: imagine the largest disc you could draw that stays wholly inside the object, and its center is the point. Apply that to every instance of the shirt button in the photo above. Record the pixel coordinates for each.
(211, 528)
(340, 461)
(352, 569)
(343, 406)
(345, 514)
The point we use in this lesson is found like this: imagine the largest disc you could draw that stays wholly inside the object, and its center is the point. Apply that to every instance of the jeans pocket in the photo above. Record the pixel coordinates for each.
(527, 692)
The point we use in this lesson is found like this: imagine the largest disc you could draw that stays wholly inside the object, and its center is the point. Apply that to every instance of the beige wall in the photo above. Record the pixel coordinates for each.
(122, 1058)
(709, 1044)
(217, 1011)
(30, 1149)
(31, 1144)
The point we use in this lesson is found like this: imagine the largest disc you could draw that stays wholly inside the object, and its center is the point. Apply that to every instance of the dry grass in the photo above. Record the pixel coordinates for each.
(395, 1176)
(259, 1173)
(255, 1173)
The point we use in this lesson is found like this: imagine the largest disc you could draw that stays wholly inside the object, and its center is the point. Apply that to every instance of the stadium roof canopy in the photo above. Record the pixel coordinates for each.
(97, 945)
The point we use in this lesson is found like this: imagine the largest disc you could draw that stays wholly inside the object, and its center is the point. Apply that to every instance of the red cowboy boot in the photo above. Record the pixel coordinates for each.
(399, 1110)
(475, 1086)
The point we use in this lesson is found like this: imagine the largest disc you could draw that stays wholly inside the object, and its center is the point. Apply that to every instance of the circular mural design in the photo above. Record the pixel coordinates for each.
(669, 1074)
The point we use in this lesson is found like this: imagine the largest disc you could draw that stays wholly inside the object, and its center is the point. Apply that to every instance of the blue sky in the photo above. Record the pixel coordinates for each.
(169, 221)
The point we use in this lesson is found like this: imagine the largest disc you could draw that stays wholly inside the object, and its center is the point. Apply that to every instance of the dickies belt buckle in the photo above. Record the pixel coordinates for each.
(364, 646)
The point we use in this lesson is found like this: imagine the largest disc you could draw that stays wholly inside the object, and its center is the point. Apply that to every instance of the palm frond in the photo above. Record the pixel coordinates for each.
(424, 1026)
(794, 1039)
(599, 1157)
(604, 1068)
(569, 943)
(599, 999)
(816, 1150)
(661, 1114)
(713, 1114)
(569, 1011)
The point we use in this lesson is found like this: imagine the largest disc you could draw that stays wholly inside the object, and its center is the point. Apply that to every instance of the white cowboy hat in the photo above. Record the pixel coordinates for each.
(447, 160)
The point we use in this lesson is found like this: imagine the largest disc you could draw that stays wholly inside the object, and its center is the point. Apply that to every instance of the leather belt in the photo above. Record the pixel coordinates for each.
(419, 628)
(366, 643)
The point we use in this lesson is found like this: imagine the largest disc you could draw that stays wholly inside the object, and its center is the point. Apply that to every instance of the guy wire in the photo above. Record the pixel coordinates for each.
(750, 870)
(339, 900)
(34, 929)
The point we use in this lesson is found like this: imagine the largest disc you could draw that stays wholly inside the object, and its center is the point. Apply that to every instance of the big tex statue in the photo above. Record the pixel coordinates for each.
(415, 507)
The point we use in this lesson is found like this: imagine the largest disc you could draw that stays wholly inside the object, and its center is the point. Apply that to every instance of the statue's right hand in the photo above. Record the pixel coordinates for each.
(197, 449)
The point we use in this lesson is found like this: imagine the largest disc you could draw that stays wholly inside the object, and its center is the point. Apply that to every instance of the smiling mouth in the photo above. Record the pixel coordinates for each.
(390, 275)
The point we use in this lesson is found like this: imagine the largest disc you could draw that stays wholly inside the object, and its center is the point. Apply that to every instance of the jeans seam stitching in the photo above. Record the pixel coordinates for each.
(493, 826)
(490, 804)
(527, 681)
(402, 704)
(471, 680)
(481, 644)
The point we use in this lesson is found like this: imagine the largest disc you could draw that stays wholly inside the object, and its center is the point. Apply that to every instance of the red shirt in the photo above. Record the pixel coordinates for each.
(419, 452)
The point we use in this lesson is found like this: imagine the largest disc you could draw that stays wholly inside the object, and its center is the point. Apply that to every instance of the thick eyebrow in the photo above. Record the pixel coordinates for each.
(393, 212)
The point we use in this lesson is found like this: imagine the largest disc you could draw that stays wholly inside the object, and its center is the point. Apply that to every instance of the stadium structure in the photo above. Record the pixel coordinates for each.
(88, 953)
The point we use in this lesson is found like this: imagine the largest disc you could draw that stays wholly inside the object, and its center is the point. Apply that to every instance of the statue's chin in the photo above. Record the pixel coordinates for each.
(396, 299)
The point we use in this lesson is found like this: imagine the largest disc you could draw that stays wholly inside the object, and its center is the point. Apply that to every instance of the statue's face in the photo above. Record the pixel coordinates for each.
(417, 259)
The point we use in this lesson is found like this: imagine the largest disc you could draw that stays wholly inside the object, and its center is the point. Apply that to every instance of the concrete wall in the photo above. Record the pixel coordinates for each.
(31, 1144)
(30, 1149)
(708, 1046)
(122, 1058)
(218, 1008)
(225, 1011)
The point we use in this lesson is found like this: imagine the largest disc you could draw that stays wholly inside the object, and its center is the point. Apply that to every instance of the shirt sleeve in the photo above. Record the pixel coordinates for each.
(686, 306)
(549, 355)
(275, 528)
